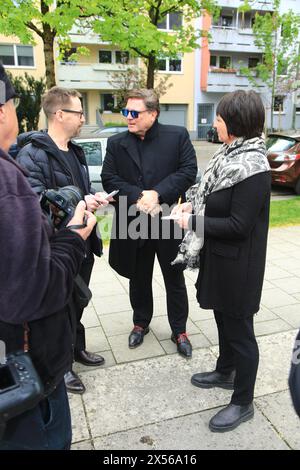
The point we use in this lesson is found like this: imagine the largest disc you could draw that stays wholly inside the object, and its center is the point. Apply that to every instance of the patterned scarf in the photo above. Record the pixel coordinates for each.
(230, 165)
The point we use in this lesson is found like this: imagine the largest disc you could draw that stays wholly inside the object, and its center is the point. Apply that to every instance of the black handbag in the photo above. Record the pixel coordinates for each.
(294, 377)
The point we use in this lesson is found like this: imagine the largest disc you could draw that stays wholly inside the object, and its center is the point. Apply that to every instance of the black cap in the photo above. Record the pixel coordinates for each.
(7, 91)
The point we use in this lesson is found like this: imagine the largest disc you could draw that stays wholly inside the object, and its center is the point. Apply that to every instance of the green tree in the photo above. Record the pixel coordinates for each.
(277, 37)
(30, 91)
(124, 80)
(51, 20)
(132, 25)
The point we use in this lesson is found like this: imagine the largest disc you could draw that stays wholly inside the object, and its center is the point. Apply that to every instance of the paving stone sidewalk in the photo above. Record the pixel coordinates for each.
(143, 398)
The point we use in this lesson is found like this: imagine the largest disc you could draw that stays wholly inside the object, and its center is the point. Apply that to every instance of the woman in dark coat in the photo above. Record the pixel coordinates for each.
(227, 218)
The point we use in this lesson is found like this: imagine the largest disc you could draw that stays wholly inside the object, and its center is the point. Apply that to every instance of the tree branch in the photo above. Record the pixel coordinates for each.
(32, 26)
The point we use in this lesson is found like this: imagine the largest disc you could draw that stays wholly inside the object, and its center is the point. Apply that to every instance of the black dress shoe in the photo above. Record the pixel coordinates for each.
(184, 346)
(73, 383)
(136, 336)
(213, 379)
(230, 417)
(88, 358)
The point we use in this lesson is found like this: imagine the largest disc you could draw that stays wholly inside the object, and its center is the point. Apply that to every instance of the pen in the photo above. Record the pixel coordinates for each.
(179, 201)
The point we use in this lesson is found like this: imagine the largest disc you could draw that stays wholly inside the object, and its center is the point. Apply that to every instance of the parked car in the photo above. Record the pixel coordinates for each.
(94, 149)
(212, 135)
(284, 159)
(107, 131)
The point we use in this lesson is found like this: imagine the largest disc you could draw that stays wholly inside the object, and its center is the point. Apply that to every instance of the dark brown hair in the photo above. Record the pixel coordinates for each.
(149, 97)
(243, 113)
(57, 98)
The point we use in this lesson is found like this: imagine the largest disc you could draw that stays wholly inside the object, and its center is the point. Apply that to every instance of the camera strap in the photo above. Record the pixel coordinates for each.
(26, 336)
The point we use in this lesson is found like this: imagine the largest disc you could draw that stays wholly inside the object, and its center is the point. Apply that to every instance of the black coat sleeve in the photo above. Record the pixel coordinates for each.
(36, 274)
(248, 198)
(177, 183)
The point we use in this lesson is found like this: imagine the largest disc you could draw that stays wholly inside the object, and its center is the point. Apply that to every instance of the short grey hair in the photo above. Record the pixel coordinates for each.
(149, 97)
(57, 98)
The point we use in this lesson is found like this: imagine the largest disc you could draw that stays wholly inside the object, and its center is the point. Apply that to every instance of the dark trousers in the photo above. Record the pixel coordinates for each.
(140, 287)
(238, 351)
(45, 427)
(85, 273)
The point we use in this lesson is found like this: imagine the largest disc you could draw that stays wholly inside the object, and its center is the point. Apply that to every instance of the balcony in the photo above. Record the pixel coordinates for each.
(227, 80)
(263, 5)
(232, 39)
(87, 76)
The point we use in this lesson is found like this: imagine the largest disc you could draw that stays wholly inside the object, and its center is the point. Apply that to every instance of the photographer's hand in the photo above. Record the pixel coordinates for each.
(81, 216)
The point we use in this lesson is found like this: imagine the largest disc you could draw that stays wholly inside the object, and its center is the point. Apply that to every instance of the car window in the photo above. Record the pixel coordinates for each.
(93, 153)
(279, 144)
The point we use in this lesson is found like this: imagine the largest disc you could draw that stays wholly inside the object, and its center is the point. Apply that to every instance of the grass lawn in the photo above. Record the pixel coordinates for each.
(285, 212)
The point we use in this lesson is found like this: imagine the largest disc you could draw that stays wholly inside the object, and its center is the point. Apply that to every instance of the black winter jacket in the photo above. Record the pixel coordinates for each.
(36, 277)
(43, 161)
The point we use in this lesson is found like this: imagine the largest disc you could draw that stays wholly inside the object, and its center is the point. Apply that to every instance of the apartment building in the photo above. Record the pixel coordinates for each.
(19, 58)
(220, 61)
(92, 76)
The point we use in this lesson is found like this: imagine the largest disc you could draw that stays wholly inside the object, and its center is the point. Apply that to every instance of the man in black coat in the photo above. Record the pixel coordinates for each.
(152, 165)
(37, 273)
(53, 161)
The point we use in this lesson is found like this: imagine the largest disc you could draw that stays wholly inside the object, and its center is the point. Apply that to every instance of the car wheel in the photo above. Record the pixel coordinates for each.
(297, 187)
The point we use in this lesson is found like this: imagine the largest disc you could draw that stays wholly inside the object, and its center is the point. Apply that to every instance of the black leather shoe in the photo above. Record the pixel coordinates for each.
(184, 346)
(73, 383)
(230, 417)
(88, 358)
(136, 336)
(213, 379)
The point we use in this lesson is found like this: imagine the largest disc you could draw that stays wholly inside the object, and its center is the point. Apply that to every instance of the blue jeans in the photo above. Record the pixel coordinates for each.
(45, 427)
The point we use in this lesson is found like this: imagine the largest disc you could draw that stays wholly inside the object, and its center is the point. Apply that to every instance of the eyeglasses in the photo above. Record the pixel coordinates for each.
(73, 111)
(134, 114)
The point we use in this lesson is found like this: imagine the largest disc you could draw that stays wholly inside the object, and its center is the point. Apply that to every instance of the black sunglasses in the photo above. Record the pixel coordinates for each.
(134, 114)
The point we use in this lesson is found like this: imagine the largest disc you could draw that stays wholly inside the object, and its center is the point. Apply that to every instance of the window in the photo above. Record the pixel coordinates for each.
(105, 57)
(113, 57)
(278, 103)
(107, 101)
(25, 56)
(225, 62)
(253, 62)
(226, 21)
(93, 153)
(15, 55)
(170, 65)
(122, 57)
(171, 21)
(213, 61)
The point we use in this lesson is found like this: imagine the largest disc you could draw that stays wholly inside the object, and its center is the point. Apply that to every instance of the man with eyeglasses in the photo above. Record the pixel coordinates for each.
(37, 271)
(54, 161)
(151, 165)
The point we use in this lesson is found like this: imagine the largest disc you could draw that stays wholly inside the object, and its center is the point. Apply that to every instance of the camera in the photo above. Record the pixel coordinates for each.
(20, 385)
(60, 204)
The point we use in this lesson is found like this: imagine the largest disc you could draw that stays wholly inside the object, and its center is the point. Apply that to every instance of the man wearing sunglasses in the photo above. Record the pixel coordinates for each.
(54, 161)
(151, 165)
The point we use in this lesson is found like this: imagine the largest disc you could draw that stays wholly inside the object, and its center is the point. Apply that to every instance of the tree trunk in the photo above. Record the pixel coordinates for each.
(48, 42)
(150, 71)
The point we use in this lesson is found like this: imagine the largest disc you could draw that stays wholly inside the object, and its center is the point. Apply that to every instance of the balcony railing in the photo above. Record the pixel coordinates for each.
(226, 80)
(87, 76)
